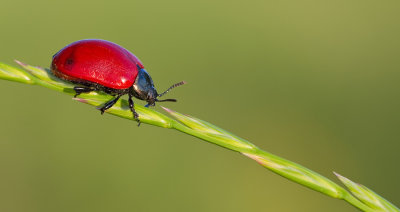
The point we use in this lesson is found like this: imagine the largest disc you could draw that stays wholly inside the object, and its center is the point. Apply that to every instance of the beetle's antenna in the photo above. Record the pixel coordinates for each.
(166, 100)
(173, 86)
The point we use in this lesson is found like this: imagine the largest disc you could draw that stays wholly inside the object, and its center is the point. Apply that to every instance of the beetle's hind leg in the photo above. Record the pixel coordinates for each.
(81, 89)
(132, 107)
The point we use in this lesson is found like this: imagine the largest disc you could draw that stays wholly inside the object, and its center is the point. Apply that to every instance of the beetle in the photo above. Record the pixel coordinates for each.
(100, 65)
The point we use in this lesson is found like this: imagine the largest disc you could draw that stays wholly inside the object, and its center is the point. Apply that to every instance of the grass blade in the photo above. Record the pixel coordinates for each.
(367, 196)
(210, 133)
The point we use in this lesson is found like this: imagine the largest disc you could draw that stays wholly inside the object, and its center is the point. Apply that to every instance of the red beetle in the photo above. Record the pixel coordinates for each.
(99, 65)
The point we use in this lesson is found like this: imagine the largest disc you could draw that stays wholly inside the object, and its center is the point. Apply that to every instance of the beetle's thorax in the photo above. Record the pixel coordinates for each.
(143, 88)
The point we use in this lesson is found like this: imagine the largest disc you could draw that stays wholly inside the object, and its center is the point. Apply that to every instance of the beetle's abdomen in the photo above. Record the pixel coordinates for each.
(97, 61)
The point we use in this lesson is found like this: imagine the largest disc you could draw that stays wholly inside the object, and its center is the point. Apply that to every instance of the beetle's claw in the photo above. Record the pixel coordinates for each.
(136, 116)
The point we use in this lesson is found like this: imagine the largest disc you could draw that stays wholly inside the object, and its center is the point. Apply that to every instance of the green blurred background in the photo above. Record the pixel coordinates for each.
(316, 82)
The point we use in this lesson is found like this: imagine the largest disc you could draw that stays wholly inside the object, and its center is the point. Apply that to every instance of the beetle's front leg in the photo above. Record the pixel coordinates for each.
(132, 107)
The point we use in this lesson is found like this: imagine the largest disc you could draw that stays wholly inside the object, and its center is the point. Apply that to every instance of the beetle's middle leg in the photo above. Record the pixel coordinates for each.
(109, 104)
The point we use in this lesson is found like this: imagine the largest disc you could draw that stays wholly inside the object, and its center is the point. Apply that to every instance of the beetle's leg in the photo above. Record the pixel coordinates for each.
(152, 104)
(132, 107)
(109, 104)
(80, 89)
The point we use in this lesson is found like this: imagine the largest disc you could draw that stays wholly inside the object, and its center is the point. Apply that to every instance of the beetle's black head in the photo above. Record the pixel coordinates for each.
(143, 89)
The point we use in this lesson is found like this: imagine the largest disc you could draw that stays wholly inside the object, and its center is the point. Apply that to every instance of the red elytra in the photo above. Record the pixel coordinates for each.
(100, 65)
(98, 61)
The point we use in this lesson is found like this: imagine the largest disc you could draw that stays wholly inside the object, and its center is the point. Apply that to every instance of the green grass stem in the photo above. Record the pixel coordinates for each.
(359, 196)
